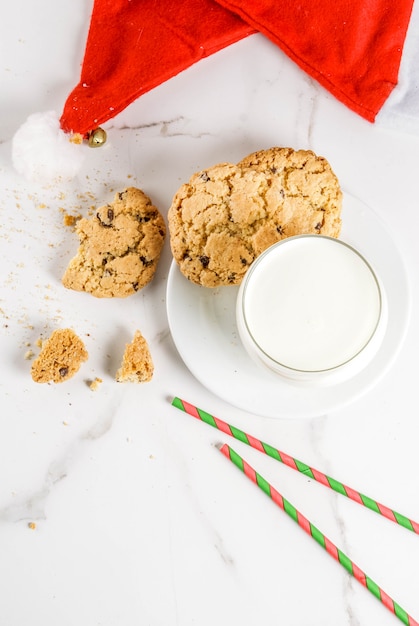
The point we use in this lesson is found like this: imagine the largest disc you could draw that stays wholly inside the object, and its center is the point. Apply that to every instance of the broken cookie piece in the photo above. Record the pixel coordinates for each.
(119, 247)
(60, 357)
(137, 364)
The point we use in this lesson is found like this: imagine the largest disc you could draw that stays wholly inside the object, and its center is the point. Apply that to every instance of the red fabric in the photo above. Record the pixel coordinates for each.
(134, 45)
(352, 47)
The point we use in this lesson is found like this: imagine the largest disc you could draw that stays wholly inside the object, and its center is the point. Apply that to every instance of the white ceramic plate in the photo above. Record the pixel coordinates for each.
(203, 326)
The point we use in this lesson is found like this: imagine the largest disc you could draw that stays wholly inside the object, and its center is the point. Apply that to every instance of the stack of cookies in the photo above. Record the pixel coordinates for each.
(228, 214)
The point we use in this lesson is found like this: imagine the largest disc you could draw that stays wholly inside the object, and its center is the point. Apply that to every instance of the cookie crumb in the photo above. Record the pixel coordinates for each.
(71, 220)
(94, 384)
(32, 525)
(29, 354)
(137, 365)
(77, 139)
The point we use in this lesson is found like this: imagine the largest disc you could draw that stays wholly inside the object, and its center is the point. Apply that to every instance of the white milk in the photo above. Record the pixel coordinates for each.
(310, 303)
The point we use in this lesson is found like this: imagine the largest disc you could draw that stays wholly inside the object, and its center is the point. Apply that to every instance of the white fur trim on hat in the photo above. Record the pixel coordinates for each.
(42, 152)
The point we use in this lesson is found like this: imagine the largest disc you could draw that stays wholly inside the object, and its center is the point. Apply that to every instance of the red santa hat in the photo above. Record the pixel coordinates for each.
(352, 48)
(135, 45)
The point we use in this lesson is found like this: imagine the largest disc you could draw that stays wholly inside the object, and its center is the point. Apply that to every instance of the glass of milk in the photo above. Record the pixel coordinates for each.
(311, 309)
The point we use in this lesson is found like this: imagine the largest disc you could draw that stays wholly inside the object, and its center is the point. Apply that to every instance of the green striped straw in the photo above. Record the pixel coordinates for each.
(314, 532)
(295, 464)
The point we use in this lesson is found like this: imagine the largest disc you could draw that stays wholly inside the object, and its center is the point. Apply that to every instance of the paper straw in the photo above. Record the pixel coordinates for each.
(310, 529)
(295, 464)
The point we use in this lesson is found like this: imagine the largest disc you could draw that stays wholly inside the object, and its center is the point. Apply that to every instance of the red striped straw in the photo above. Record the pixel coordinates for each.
(311, 530)
(295, 464)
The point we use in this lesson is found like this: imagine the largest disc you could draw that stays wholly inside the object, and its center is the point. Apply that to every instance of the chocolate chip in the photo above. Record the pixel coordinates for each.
(106, 219)
(145, 261)
(63, 371)
(204, 177)
(280, 229)
(318, 226)
(204, 260)
(244, 261)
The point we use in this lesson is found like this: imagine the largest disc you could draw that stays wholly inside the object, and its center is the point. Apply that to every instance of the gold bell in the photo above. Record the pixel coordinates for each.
(96, 138)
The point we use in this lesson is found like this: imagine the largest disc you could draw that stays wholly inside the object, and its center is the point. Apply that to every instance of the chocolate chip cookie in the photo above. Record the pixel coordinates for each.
(310, 188)
(119, 247)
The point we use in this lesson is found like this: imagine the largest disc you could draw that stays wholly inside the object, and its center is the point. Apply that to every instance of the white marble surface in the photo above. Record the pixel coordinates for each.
(138, 518)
